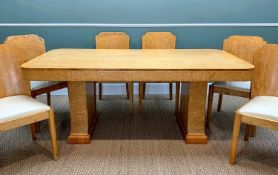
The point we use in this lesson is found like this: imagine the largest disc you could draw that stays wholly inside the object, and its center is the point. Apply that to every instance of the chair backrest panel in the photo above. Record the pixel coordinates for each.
(265, 77)
(159, 40)
(243, 47)
(112, 40)
(33, 44)
(11, 78)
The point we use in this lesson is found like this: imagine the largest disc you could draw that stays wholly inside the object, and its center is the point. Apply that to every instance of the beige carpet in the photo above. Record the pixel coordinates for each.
(150, 143)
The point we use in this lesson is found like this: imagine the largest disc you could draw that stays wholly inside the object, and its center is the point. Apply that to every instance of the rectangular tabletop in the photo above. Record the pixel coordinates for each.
(136, 65)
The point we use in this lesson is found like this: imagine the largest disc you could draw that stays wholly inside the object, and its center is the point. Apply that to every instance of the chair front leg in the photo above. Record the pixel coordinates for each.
(233, 149)
(52, 130)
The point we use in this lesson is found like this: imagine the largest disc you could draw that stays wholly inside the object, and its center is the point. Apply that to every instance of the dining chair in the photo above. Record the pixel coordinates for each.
(17, 108)
(158, 40)
(35, 46)
(115, 40)
(262, 109)
(243, 47)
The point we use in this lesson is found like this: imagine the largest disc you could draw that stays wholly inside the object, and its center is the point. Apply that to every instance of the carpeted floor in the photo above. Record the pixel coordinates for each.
(150, 143)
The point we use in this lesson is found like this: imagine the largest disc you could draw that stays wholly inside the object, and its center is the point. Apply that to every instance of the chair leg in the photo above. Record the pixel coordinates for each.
(219, 102)
(171, 90)
(233, 149)
(34, 130)
(253, 131)
(130, 92)
(48, 98)
(52, 130)
(247, 132)
(210, 100)
(177, 96)
(100, 91)
(141, 95)
(127, 90)
(144, 90)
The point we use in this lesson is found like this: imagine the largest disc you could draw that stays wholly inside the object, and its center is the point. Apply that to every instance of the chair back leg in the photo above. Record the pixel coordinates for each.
(100, 91)
(219, 102)
(127, 90)
(130, 92)
(177, 104)
(210, 101)
(247, 132)
(171, 90)
(141, 96)
(48, 98)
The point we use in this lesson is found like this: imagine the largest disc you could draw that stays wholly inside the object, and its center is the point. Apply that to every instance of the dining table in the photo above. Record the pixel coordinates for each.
(82, 68)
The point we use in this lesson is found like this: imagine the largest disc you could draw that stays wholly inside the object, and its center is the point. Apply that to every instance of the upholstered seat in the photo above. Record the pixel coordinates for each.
(20, 106)
(42, 84)
(261, 107)
(235, 85)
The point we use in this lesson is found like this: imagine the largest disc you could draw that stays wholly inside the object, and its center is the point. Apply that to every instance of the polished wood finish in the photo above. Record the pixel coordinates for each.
(157, 40)
(12, 83)
(112, 40)
(11, 78)
(115, 40)
(243, 47)
(265, 82)
(192, 112)
(78, 66)
(82, 97)
(136, 60)
(34, 46)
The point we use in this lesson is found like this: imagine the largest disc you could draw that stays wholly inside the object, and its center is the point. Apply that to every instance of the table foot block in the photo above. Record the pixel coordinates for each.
(196, 139)
(79, 139)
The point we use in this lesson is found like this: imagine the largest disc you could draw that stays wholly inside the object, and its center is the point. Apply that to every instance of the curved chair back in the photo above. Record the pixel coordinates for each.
(265, 76)
(11, 78)
(33, 44)
(159, 40)
(112, 40)
(243, 47)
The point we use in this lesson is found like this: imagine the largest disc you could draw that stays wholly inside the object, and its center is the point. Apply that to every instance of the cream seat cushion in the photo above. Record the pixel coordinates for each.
(41, 84)
(20, 106)
(261, 107)
(235, 85)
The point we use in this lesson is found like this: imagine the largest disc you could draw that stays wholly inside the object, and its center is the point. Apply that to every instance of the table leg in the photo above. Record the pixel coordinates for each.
(82, 99)
(191, 116)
